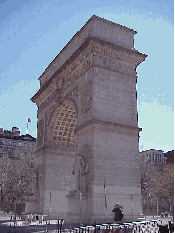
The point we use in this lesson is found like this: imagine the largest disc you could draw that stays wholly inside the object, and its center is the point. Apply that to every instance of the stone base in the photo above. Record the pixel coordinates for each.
(77, 207)
(31, 207)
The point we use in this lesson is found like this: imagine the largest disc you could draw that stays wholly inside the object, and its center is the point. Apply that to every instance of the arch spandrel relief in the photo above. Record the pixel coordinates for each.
(86, 101)
(40, 132)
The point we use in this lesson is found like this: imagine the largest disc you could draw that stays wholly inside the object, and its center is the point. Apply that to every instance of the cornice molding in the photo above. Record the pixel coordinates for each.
(83, 58)
(110, 126)
(94, 17)
(54, 150)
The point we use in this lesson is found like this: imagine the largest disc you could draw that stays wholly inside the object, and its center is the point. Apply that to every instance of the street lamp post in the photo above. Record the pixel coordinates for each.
(50, 208)
(157, 207)
(15, 205)
(132, 206)
(80, 208)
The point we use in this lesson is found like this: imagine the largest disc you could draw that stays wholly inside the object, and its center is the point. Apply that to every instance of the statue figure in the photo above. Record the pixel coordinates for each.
(79, 171)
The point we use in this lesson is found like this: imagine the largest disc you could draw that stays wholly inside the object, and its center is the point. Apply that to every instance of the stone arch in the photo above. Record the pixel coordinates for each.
(63, 124)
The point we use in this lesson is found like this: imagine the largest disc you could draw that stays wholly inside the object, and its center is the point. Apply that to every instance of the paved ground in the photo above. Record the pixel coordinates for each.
(7, 225)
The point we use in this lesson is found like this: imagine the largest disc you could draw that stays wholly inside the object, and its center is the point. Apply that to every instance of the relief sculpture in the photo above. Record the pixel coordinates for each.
(86, 100)
(80, 169)
(40, 132)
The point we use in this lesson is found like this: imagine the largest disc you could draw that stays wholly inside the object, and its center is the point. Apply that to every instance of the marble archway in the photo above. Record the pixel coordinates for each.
(88, 96)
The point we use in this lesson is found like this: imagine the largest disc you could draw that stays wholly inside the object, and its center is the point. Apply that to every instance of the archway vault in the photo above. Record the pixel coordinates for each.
(63, 126)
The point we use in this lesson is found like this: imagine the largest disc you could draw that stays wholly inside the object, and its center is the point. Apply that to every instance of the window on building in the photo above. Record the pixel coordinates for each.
(1, 154)
(12, 143)
(11, 156)
(153, 158)
(10, 150)
(19, 143)
(149, 158)
(156, 158)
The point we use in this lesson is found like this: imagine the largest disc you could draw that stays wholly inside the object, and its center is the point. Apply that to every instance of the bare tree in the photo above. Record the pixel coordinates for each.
(165, 185)
(157, 186)
(150, 175)
(15, 178)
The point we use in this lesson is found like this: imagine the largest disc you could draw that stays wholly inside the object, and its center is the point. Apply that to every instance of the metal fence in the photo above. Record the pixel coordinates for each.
(146, 226)
(153, 226)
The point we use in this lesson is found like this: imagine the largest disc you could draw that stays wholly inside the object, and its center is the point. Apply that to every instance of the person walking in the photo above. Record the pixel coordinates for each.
(118, 214)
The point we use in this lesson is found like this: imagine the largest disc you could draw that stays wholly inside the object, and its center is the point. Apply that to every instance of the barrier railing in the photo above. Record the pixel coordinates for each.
(134, 227)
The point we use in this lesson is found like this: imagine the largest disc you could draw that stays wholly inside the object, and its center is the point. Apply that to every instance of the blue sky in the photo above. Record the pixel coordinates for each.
(33, 33)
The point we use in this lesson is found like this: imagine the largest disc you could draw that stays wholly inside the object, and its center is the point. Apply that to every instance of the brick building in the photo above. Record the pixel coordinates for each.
(12, 144)
(170, 156)
(157, 157)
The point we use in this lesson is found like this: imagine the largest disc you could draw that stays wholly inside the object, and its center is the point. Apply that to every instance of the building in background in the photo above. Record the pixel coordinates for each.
(13, 145)
(153, 204)
(156, 157)
(170, 156)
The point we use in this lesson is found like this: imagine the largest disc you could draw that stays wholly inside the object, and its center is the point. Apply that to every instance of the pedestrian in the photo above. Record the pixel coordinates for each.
(118, 214)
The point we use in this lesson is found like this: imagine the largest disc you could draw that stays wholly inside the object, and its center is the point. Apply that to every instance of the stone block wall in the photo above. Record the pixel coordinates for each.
(58, 182)
(114, 97)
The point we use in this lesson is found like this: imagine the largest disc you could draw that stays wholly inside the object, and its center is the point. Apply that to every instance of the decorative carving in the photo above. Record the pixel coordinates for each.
(79, 171)
(123, 61)
(40, 132)
(112, 60)
(49, 113)
(85, 65)
(48, 100)
(114, 65)
(59, 83)
(74, 95)
(60, 122)
(49, 118)
(86, 100)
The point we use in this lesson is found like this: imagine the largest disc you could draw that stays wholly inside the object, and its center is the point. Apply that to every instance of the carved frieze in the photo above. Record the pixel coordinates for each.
(114, 65)
(48, 122)
(48, 99)
(86, 100)
(40, 137)
(97, 56)
(93, 55)
(71, 78)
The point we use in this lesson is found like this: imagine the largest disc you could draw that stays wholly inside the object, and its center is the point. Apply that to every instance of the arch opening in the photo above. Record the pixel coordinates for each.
(63, 130)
